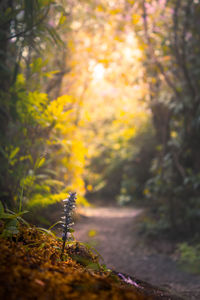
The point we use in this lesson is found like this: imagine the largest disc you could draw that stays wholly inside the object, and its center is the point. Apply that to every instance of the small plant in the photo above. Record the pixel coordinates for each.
(69, 205)
(190, 257)
(10, 221)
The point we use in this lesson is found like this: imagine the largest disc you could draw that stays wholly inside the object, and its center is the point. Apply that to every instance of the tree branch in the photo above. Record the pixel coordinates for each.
(156, 61)
(181, 57)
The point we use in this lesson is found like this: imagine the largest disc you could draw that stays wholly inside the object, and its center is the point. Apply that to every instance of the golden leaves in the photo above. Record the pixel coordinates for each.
(136, 19)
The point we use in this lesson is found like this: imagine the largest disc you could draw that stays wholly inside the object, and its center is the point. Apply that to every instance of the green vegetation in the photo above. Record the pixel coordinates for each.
(11, 222)
(190, 257)
(36, 142)
(173, 77)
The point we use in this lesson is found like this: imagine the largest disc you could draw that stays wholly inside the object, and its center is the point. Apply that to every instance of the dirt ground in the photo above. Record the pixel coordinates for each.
(113, 231)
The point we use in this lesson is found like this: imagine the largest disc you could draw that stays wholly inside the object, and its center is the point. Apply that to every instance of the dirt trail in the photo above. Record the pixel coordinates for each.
(117, 240)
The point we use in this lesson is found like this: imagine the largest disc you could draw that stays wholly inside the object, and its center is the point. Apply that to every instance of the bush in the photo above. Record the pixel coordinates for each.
(190, 257)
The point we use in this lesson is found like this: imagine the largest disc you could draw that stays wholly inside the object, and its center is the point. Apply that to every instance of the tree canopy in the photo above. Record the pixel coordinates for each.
(101, 97)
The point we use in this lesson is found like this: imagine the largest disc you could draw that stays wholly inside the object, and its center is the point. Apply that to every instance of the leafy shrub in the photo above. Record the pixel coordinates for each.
(122, 173)
(151, 227)
(141, 150)
(190, 257)
(10, 222)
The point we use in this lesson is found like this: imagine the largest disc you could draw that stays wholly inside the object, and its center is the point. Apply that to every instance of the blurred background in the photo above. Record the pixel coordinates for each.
(102, 98)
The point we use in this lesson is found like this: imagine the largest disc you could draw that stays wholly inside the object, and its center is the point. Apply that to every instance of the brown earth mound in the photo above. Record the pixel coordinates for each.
(31, 268)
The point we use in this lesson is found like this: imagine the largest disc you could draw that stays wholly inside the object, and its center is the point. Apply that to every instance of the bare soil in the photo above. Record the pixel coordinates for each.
(113, 231)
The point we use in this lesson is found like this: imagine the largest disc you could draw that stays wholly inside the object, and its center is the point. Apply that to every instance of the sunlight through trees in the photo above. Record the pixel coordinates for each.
(101, 97)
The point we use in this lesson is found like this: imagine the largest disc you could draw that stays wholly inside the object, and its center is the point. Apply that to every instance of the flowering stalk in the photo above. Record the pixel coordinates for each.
(69, 205)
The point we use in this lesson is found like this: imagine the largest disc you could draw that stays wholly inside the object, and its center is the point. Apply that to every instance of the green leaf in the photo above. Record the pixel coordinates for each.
(59, 222)
(37, 65)
(49, 232)
(11, 228)
(12, 215)
(23, 221)
(44, 2)
(54, 36)
(82, 260)
(14, 153)
(88, 246)
(7, 216)
(93, 266)
(62, 19)
(39, 163)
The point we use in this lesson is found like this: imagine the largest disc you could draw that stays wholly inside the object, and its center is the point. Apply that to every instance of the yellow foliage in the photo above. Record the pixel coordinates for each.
(129, 132)
(86, 118)
(114, 11)
(20, 79)
(146, 192)
(92, 233)
(106, 82)
(173, 134)
(89, 187)
(41, 200)
(104, 61)
(60, 108)
(116, 146)
(135, 19)
(65, 147)
(119, 39)
(100, 8)
(62, 19)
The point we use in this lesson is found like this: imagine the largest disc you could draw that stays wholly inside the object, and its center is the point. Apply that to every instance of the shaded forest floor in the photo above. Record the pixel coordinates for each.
(33, 266)
(113, 231)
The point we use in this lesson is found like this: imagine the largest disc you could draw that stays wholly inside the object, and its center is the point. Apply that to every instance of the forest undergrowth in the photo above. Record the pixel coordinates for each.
(32, 268)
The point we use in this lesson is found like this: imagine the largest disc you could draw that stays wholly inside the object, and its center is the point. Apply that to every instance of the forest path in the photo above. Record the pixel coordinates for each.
(113, 231)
